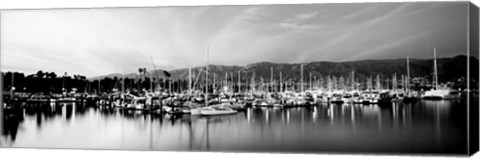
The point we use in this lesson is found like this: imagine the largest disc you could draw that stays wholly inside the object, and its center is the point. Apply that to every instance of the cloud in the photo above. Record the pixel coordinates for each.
(297, 26)
(345, 33)
(101, 41)
(305, 16)
(297, 21)
(387, 46)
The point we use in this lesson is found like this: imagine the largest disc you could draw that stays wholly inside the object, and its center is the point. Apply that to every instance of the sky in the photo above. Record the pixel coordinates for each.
(95, 42)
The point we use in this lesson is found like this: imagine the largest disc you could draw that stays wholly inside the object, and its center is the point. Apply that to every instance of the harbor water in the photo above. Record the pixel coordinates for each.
(425, 127)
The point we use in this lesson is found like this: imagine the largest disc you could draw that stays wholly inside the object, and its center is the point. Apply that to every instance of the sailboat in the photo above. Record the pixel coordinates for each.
(191, 103)
(211, 110)
(137, 103)
(195, 109)
(439, 93)
(250, 99)
(409, 96)
(217, 110)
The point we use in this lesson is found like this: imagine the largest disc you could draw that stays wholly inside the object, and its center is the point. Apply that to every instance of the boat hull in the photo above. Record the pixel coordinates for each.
(195, 111)
(217, 112)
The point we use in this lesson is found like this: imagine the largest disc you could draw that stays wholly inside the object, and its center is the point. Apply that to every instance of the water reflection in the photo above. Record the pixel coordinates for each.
(424, 127)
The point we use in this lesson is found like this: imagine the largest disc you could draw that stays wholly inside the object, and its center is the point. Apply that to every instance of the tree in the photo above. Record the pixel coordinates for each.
(40, 74)
(52, 75)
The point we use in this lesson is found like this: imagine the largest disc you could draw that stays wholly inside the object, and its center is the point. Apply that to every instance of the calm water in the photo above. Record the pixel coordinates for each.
(425, 127)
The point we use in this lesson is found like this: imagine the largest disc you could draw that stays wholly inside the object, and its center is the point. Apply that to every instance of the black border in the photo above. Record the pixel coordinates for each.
(473, 109)
(1, 80)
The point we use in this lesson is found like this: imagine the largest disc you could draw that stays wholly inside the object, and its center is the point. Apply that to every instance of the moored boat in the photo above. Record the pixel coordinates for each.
(177, 110)
(337, 98)
(370, 97)
(219, 110)
(439, 94)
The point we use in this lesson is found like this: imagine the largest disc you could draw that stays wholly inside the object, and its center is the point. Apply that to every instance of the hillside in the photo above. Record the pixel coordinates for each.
(448, 69)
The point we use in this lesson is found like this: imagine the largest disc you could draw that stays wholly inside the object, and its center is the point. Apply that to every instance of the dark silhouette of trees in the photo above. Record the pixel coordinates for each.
(44, 82)
(49, 82)
(40, 74)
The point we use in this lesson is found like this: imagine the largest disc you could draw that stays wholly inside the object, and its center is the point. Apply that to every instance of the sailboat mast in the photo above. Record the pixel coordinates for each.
(238, 84)
(151, 83)
(170, 84)
(154, 70)
(301, 80)
(252, 86)
(123, 83)
(214, 83)
(271, 79)
(435, 67)
(189, 80)
(353, 80)
(98, 86)
(395, 83)
(13, 85)
(329, 83)
(379, 86)
(232, 82)
(206, 78)
(310, 80)
(225, 82)
(407, 83)
(281, 82)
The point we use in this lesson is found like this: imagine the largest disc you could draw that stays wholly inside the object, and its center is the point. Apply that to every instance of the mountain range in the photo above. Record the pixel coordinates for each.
(448, 69)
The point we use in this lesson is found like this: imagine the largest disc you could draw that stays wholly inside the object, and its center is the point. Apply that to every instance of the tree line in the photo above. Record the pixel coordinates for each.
(50, 82)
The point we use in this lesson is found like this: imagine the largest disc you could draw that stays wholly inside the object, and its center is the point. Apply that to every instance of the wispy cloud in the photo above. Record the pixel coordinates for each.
(303, 16)
(297, 22)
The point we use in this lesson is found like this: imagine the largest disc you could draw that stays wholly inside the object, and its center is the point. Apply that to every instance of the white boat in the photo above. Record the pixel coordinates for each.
(234, 105)
(67, 99)
(337, 98)
(137, 103)
(356, 98)
(195, 111)
(177, 110)
(441, 94)
(135, 106)
(347, 98)
(194, 107)
(370, 97)
(210, 111)
(265, 103)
